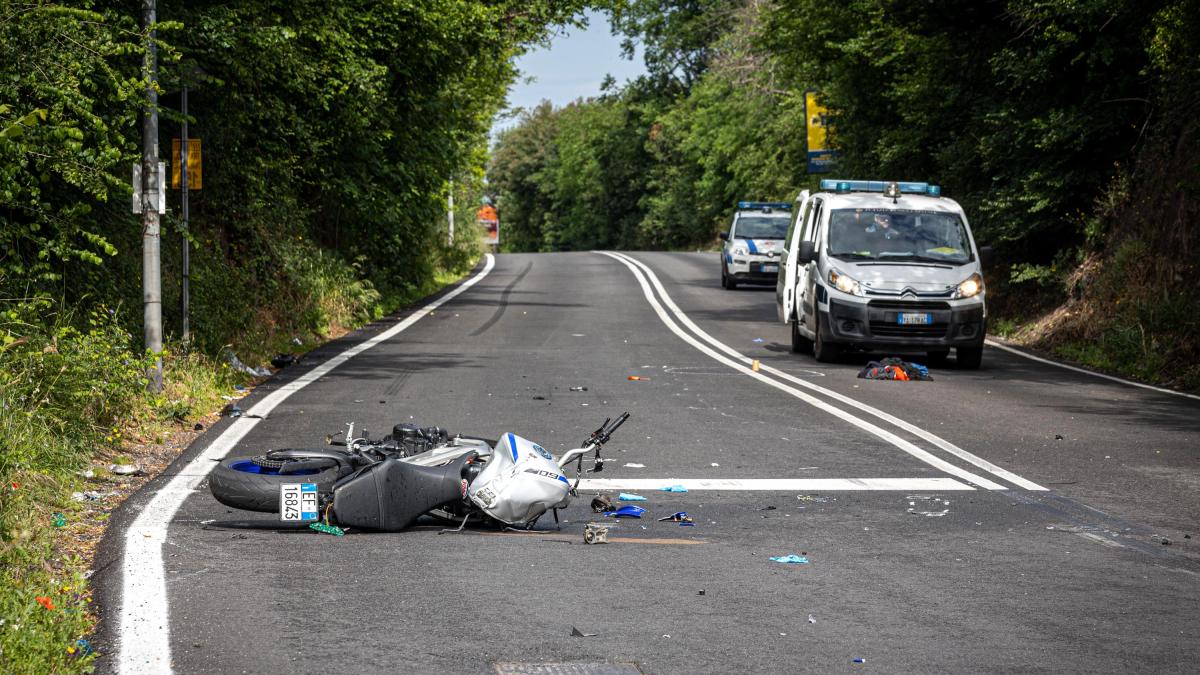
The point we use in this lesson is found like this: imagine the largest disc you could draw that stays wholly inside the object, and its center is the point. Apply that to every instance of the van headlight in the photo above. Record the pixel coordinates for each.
(844, 283)
(739, 250)
(972, 286)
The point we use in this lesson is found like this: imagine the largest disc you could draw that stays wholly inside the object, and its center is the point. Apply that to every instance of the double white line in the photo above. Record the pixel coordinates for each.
(783, 381)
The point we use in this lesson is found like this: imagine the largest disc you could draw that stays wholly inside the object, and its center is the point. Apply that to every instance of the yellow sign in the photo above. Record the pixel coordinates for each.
(819, 154)
(195, 175)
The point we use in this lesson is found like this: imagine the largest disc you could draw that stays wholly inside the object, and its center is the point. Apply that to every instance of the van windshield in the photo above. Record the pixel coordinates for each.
(879, 234)
(759, 227)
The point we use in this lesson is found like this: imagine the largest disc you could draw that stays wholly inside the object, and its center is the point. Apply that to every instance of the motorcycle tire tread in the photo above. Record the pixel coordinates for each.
(260, 492)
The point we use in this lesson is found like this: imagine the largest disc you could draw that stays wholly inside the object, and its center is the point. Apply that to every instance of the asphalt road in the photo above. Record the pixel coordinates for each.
(1074, 577)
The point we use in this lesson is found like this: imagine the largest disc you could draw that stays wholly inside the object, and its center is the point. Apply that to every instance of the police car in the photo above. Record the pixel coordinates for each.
(751, 248)
(883, 266)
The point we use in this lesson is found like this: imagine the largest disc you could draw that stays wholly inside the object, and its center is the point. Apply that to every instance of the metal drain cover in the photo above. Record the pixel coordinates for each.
(574, 668)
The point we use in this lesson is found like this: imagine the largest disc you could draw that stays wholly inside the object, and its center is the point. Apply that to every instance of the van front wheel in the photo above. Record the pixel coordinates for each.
(825, 352)
(800, 344)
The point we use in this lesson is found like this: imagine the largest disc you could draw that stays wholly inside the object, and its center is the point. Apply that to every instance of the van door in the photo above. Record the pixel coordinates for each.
(785, 284)
(807, 273)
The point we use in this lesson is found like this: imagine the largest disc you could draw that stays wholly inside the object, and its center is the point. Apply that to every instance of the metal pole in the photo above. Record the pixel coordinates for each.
(450, 210)
(183, 199)
(151, 272)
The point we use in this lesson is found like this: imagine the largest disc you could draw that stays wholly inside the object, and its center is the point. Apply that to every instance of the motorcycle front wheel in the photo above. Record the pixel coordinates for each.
(252, 483)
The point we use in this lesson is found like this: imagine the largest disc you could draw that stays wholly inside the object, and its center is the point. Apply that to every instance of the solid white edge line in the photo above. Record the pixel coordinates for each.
(144, 627)
(906, 446)
(778, 484)
(940, 442)
(998, 345)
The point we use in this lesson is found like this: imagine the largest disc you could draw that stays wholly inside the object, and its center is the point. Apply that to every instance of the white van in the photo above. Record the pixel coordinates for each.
(882, 266)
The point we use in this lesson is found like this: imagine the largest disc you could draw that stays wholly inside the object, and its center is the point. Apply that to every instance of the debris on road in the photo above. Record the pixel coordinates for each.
(755, 365)
(680, 517)
(602, 503)
(627, 497)
(579, 388)
(812, 498)
(327, 529)
(789, 559)
(635, 465)
(859, 660)
(637, 378)
(936, 501)
(674, 488)
(811, 619)
(629, 511)
(575, 632)
(232, 410)
(282, 360)
(701, 592)
(893, 368)
(595, 533)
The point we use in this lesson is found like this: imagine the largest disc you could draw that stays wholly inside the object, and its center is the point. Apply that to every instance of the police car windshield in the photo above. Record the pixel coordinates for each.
(877, 234)
(760, 227)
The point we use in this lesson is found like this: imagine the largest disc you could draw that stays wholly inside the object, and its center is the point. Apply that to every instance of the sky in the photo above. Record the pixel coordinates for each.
(572, 67)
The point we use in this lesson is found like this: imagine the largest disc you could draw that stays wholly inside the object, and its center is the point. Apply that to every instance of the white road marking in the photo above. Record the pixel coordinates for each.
(144, 628)
(778, 484)
(906, 446)
(1031, 357)
(871, 410)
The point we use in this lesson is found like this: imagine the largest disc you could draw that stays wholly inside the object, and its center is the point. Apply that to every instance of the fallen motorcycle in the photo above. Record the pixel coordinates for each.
(387, 484)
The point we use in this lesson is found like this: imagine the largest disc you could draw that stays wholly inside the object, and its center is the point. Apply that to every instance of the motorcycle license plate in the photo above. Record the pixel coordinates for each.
(909, 319)
(770, 268)
(298, 501)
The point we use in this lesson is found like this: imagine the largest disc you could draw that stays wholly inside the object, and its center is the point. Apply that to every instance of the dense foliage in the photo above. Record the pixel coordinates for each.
(1024, 110)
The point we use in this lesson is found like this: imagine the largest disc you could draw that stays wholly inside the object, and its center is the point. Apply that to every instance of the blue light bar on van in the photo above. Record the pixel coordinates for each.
(765, 205)
(842, 186)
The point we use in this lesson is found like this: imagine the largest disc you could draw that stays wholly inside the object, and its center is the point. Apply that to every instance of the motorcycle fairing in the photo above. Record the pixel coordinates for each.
(520, 482)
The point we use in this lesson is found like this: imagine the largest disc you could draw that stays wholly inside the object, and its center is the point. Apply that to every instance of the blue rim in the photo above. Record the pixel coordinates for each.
(247, 466)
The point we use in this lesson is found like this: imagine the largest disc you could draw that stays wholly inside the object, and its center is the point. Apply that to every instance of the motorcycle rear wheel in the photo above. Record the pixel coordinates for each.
(244, 483)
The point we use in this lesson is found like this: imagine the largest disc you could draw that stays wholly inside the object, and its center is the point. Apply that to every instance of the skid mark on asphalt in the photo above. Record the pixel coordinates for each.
(503, 301)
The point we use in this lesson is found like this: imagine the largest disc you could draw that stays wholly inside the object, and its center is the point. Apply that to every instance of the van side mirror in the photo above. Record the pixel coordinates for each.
(806, 252)
(724, 236)
(986, 256)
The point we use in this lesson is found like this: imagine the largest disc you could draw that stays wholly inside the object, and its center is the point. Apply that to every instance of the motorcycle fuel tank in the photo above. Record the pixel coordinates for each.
(520, 482)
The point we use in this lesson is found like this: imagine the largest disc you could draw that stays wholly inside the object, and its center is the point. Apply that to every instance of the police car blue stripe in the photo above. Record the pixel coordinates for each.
(753, 248)
(512, 445)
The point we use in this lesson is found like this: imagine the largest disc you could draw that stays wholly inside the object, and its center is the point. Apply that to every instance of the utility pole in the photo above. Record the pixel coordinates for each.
(450, 210)
(183, 199)
(151, 270)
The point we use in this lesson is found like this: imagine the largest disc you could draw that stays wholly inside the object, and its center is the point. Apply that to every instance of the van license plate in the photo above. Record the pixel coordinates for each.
(770, 268)
(908, 319)
(298, 501)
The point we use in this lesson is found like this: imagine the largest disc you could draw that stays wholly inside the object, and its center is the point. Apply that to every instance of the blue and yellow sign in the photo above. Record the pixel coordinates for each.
(819, 155)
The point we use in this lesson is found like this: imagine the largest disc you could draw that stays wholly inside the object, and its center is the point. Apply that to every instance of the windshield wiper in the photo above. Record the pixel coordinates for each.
(848, 255)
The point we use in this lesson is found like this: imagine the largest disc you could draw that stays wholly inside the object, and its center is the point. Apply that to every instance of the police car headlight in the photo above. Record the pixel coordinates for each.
(739, 250)
(844, 283)
(969, 288)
